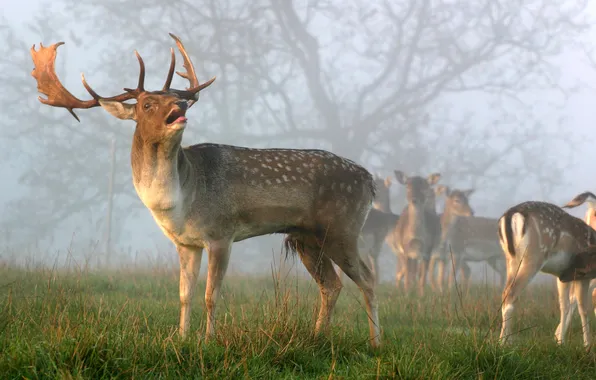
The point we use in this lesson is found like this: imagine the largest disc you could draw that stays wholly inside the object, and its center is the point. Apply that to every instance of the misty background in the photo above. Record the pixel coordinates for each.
(496, 95)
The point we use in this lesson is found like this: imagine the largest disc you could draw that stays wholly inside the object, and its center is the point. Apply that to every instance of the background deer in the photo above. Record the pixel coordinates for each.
(465, 237)
(590, 220)
(540, 236)
(456, 205)
(417, 230)
(379, 222)
(208, 196)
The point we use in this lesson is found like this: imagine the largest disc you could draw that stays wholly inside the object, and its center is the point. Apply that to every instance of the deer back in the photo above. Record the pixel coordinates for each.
(542, 231)
(249, 192)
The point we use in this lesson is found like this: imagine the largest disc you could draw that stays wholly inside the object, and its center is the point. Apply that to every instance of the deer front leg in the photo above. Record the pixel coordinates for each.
(498, 265)
(374, 259)
(422, 271)
(584, 304)
(441, 275)
(432, 273)
(219, 256)
(565, 311)
(190, 266)
(466, 273)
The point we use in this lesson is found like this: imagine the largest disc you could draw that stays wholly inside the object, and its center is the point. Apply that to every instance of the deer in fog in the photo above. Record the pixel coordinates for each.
(542, 237)
(208, 196)
(590, 220)
(465, 237)
(417, 230)
(378, 224)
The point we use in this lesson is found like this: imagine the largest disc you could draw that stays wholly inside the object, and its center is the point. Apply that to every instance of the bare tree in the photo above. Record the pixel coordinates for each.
(415, 85)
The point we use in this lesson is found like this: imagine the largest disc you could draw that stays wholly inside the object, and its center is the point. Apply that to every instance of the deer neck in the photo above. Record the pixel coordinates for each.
(417, 216)
(160, 171)
(448, 220)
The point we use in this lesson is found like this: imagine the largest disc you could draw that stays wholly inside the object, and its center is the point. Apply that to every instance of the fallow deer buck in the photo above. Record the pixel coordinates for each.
(590, 220)
(417, 230)
(208, 196)
(540, 236)
(465, 238)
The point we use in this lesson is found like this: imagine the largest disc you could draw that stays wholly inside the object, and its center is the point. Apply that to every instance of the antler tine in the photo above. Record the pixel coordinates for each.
(141, 85)
(190, 73)
(57, 96)
(166, 86)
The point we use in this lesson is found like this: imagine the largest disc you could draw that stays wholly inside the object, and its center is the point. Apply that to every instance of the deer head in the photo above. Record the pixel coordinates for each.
(585, 197)
(457, 202)
(419, 191)
(382, 197)
(160, 115)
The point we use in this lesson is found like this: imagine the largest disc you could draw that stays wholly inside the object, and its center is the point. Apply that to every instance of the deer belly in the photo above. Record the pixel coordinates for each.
(478, 251)
(557, 263)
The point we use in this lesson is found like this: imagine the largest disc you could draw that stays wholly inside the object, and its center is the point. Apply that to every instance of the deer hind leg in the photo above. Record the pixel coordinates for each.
(190, 266)
(517, 280)
(466, 273)
(499, 266)
(344, 252)
(567, 306)
(321, 269)
(219, 256)
(454, 268)
(584, 304)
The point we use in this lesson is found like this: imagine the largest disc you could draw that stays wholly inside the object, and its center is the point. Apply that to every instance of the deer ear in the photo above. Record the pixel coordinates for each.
(401, 177)
(120, 110)
(433, 178)
(440, 189)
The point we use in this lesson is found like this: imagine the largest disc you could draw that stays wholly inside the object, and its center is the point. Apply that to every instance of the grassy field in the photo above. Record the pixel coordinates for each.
(59, 324)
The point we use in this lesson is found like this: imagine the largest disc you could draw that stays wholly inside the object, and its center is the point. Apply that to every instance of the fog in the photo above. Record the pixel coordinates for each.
(494, 95)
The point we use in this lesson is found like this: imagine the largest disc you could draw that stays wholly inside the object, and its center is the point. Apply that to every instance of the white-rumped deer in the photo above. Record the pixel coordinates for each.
(540, 236)
(590, 220)
(464, 238)
(208, 196)
(417, 230)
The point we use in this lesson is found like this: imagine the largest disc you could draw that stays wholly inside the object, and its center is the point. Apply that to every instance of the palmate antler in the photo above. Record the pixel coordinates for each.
(58, 96)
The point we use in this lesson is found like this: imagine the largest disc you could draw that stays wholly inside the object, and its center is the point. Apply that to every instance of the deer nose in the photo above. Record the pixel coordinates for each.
(182, 104)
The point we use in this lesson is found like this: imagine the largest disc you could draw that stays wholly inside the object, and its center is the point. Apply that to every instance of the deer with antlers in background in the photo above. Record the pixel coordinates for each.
(208, 196)
(542, 237)
(465, 237)
(417, 230)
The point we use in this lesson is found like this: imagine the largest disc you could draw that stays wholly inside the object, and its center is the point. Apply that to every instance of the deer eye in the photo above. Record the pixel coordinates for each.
(147, 106)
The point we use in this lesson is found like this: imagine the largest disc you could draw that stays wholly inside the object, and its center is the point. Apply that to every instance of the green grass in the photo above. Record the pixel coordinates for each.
(122, 324)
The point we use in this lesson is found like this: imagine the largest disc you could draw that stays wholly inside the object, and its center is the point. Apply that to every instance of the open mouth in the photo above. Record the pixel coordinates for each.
(176, 118)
